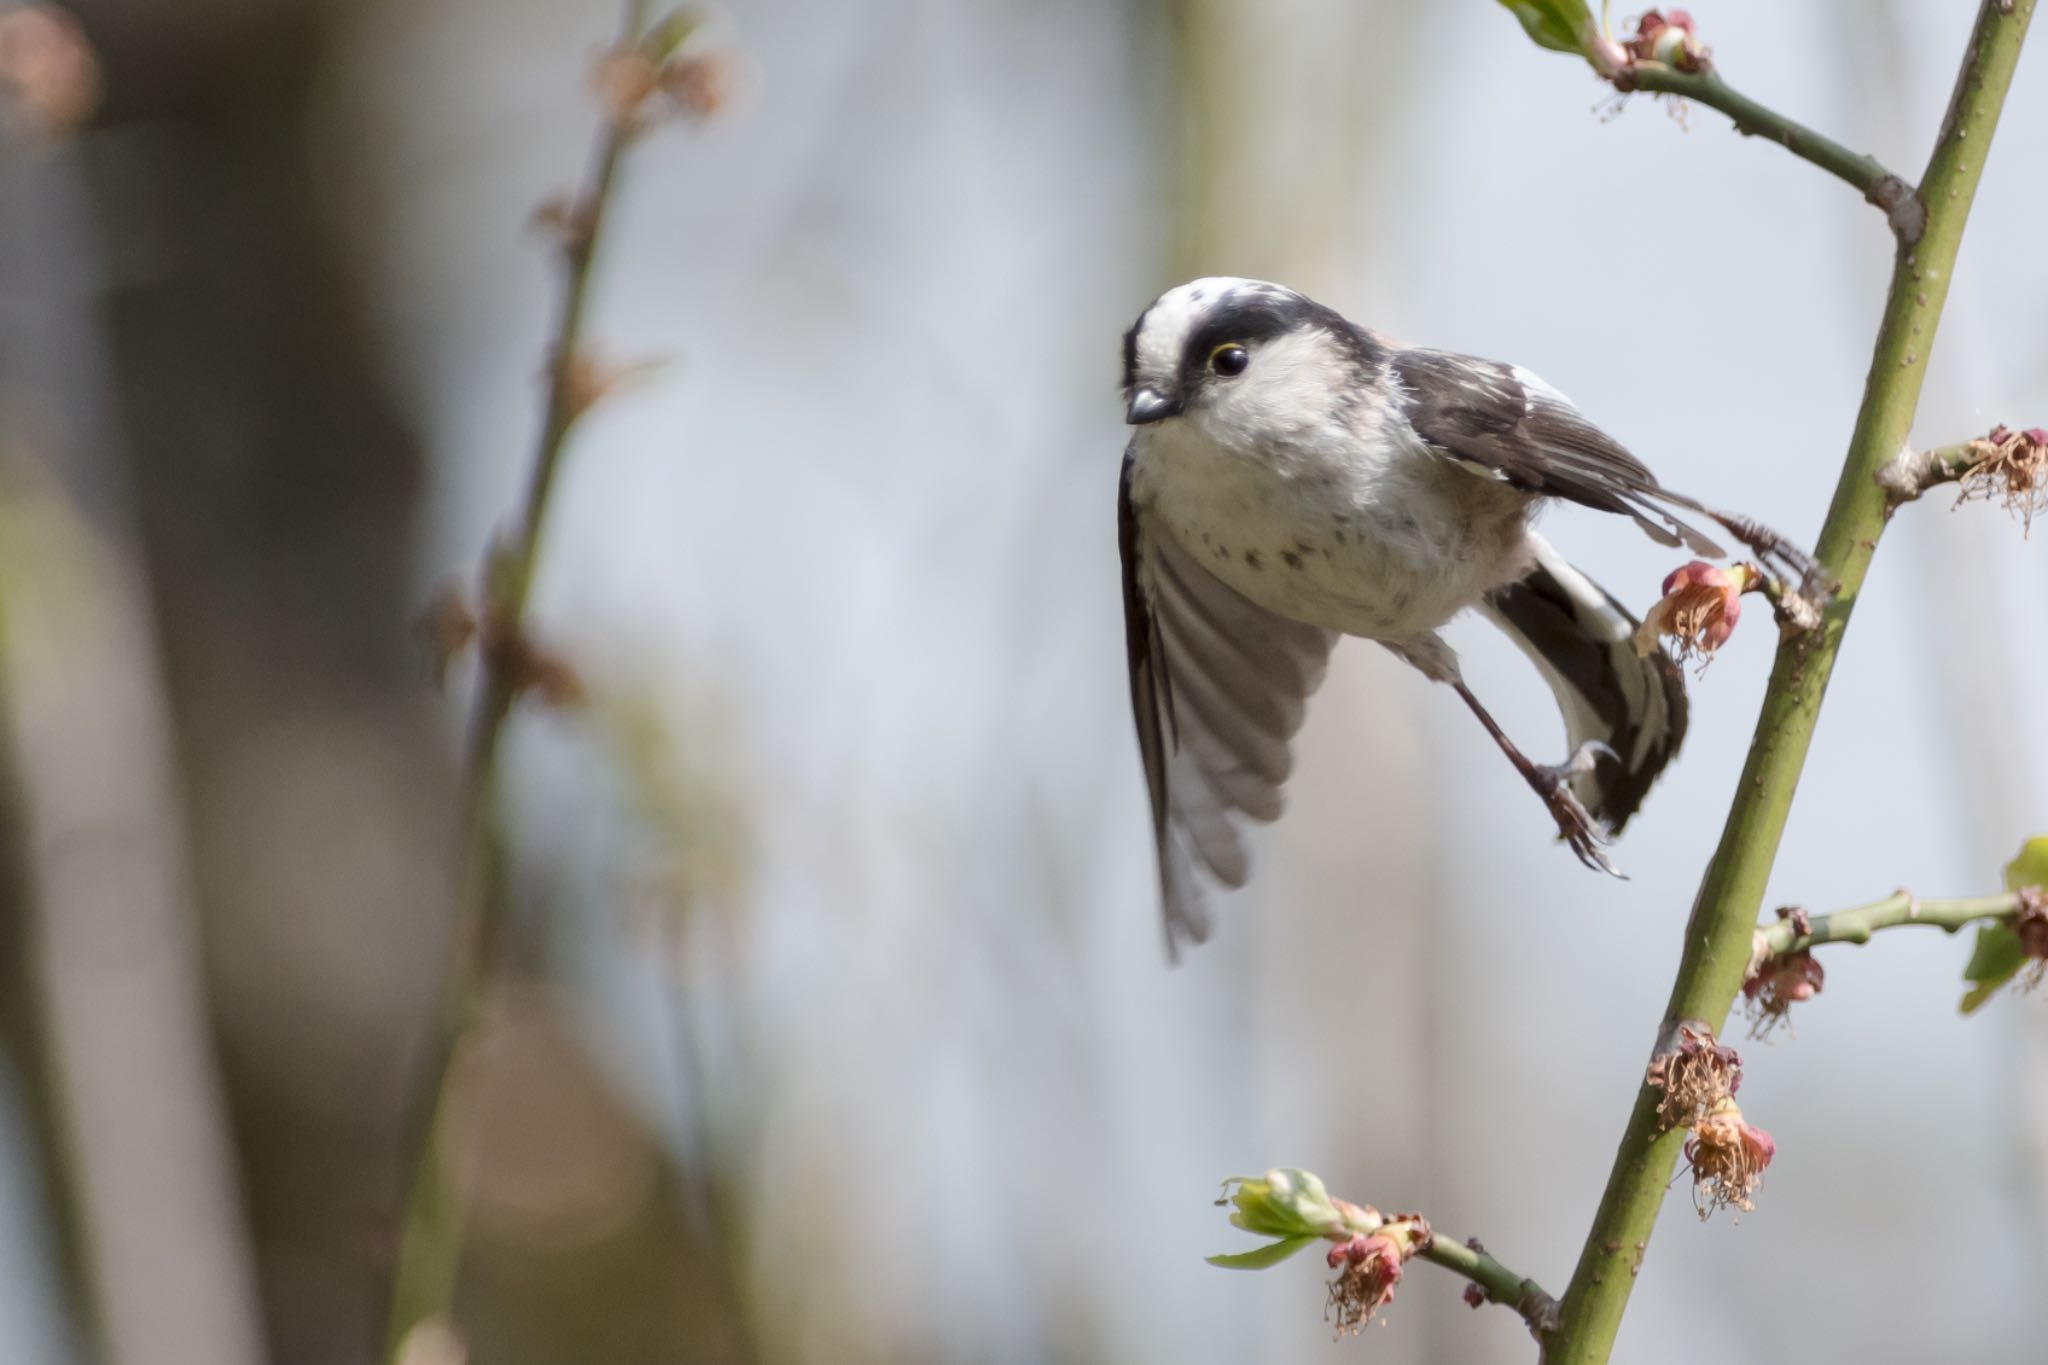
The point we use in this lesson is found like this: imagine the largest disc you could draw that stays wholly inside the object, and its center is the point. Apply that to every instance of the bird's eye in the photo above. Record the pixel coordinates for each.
(1229, 360)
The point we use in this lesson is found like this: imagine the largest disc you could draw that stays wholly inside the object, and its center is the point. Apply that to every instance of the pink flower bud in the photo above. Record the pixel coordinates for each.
(1668, 38)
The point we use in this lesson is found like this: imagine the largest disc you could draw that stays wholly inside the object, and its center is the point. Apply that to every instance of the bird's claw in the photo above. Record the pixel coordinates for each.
(1575, 824)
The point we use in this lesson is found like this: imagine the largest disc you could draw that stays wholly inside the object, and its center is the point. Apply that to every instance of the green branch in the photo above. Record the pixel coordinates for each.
(1496, 1282)
(432, 1229)
(1896, 911)
(1718, 936)
(1870, 177)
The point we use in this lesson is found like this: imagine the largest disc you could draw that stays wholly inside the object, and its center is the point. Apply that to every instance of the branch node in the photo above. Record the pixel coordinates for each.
(2005, 464)
(1902, 205)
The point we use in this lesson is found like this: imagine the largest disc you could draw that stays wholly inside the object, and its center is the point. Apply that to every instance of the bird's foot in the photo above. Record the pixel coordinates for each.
(1793, 567)
(1575, 824)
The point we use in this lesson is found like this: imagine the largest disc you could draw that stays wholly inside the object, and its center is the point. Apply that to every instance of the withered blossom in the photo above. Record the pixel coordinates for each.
(2011, 466)
(1699, 609)
(1369, 1268)
(1728, 1155)
(1695, 1074)
(1777, 985)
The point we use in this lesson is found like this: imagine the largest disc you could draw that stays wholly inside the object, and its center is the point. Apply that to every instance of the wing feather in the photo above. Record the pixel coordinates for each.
(1505, 420)
(1219, 686)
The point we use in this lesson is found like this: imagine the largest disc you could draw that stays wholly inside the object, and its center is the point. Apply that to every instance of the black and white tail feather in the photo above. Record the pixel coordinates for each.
(1583, 642)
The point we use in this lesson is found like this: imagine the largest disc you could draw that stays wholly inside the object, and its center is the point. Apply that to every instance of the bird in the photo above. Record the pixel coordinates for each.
(1292, 477)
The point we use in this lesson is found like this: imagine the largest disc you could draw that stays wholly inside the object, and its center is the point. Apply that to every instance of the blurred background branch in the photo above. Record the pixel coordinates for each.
(636, 82)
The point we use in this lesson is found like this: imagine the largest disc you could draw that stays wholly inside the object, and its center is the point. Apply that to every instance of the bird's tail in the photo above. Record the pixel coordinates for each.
(1584, 643)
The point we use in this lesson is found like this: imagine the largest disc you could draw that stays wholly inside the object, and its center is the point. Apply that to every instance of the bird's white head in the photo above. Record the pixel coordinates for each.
(1242, 360)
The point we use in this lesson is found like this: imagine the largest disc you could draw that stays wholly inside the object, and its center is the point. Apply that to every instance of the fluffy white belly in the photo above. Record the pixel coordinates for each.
(1387, 547)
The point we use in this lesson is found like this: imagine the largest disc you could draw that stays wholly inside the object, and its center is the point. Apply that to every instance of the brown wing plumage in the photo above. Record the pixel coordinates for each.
(1219, 686)
(1510, 425)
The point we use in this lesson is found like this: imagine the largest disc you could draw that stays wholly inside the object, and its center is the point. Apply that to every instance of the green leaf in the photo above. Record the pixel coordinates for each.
(2031, 867)
(1560, 25)
(1998, 956)
(1284, 1202)
(1995, 960)
(1258, 1258)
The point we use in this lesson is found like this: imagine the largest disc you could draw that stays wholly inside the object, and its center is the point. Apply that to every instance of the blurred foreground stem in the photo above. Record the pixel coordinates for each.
(1718, 937)
(430, 1243)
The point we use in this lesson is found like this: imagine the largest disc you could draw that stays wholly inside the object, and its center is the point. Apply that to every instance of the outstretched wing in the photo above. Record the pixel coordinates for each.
(1219, 686)
(1504, 422)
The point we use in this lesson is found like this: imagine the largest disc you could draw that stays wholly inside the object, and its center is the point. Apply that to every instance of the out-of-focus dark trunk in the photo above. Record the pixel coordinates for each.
(275, 485)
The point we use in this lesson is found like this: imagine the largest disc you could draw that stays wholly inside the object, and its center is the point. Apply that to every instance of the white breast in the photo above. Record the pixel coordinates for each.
(1365, 532)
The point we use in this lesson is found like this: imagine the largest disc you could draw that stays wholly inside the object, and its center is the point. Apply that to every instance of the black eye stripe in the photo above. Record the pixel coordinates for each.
(1247, 318)
(1242, 319)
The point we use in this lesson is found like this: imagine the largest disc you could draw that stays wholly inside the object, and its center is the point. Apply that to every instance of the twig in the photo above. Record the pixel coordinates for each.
(1870, 177)
(1916, 471)
(1718, 935)
(1895, 911)
(1496, 1283)
(431, 1234)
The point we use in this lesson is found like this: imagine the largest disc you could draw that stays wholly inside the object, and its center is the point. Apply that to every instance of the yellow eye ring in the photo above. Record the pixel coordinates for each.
(1229, 359)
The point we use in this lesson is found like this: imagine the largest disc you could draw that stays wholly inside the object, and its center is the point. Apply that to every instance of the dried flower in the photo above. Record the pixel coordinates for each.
(1695, 1074)
(1369, 1267)
(1777, 985)
(2013, 467)
(1728, 1155)
(49, 78)
(1699, 609)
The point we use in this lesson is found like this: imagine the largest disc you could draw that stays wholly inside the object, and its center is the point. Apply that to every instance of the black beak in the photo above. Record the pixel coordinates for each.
(1148, 405)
